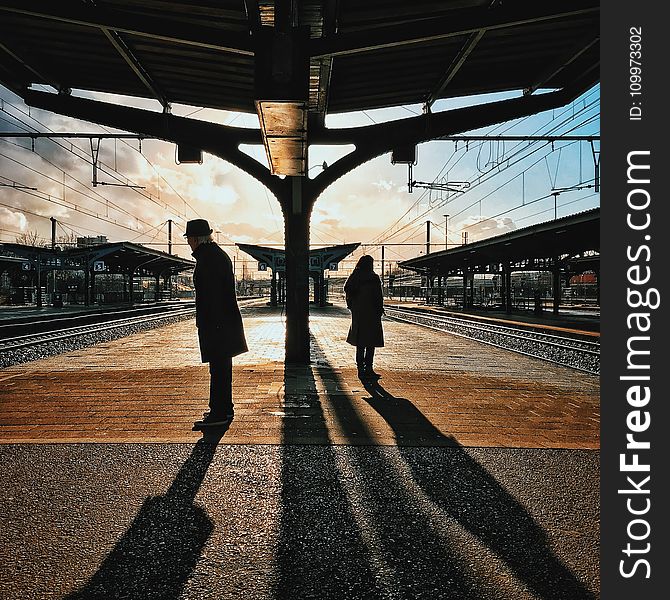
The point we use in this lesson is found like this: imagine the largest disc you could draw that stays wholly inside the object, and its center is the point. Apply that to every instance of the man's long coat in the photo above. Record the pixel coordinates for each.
(217, 315)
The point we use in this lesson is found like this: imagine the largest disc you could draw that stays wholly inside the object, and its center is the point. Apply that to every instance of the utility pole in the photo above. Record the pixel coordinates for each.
(428, 237)
(382, 266)
(169, 236)
(53, 232)
(53, 247)
(446, 232)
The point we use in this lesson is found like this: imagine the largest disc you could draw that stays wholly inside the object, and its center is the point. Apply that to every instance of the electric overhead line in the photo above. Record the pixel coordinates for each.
(432, 208)
(55, 201)
(507, 127)
(163, 205)
(47, 197)
(106, 202)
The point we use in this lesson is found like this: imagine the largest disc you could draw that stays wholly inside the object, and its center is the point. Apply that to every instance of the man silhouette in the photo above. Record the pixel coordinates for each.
(218, 319)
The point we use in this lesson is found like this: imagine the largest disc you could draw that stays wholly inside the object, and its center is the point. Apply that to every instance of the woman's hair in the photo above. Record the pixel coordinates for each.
(365, 263)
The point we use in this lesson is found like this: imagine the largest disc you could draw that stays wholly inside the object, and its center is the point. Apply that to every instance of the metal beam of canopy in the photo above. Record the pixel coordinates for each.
(165, 30)
(292, 62)
(469, 21)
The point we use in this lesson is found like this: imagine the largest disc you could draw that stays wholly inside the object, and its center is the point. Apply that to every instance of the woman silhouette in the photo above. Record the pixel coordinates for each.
(363, 291)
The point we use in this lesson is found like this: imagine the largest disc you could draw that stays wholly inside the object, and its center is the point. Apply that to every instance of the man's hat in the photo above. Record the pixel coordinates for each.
(197, 228)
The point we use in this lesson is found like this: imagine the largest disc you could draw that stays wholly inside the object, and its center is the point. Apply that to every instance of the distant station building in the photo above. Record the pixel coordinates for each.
(86, 242)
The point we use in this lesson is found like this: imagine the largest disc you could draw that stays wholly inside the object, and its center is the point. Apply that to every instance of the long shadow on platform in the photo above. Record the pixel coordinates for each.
(158, 553)
(469, 494)
(380, 503)
(344, 534)
(320, 552)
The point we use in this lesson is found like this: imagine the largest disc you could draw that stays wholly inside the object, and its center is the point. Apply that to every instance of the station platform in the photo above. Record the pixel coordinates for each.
(435, 389)
(468, 473)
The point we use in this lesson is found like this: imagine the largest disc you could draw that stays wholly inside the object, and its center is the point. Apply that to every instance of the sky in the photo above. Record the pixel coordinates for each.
(510, 184)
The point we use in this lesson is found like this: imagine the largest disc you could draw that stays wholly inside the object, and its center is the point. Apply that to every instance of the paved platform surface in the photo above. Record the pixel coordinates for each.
(470, 473)
(436, 389)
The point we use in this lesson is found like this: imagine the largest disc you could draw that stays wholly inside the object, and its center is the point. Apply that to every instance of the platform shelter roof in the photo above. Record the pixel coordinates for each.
(361, 55)
(116, 257)
(320, 259)
(292, 62)
(573, 235)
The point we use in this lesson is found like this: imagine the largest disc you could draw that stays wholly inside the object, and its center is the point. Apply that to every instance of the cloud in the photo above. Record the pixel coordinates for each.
(246, 233)
(480, 228)
(384, 184)
(14, 220)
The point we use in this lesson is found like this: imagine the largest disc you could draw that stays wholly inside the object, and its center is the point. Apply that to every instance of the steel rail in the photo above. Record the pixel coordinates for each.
(556, 340)
(32, 339)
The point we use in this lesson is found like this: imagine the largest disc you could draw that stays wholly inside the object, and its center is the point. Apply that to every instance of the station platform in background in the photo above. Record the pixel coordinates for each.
(582, 319)
(436, 390)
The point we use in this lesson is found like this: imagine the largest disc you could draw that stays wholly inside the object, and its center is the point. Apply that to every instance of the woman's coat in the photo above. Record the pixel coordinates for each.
(363, 291)
(217, 315)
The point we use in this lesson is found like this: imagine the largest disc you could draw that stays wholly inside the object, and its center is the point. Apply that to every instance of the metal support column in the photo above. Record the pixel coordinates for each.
(326, 286)
(273, 289)
(131, 285)
(158, 286)
(465, 289)
(296, 223)
(556, 272)
(53, 248)
(471, 298)
(87, 285)
(507, 274)
(38, 299)
(322, 289)
(317, 291)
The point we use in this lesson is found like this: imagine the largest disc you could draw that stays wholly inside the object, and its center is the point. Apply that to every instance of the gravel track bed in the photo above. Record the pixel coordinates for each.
(85, 340)
(569, 353)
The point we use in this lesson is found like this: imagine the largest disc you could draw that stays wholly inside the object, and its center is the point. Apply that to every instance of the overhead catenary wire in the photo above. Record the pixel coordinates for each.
(71, 205)
(103, 168)
(88, 160)
(507, 126)
(103, 200)
(478, 201)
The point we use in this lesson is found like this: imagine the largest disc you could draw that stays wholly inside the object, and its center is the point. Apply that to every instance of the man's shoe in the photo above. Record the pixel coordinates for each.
(215, 420)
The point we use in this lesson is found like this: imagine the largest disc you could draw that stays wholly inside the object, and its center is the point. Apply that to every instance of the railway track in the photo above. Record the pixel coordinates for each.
(568, 350)
(91, 324)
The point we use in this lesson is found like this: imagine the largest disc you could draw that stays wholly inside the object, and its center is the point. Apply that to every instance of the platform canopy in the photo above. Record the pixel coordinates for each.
(117, 257)
(320, 259)
(294, 61)
(573, 235)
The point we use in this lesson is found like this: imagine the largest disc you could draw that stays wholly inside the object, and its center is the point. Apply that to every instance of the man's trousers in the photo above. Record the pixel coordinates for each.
(221, 386)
